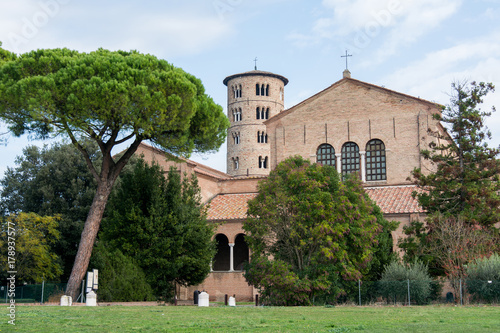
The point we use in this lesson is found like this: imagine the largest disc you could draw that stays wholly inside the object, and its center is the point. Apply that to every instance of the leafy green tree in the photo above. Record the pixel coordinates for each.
(111, 98)
(120, 277)
(49, 181)
(466, 177)
(309, 233)
(161, 223)
(34, 235)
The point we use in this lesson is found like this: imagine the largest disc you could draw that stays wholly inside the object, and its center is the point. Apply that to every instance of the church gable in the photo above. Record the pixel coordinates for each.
(353, 116)
(350, 98)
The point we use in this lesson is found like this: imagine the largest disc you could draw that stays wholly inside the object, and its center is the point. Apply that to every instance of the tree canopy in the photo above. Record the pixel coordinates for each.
(308, 232)
(51, 181)
(167, 232)
(34, 234)
(467, 172)
(110, 98)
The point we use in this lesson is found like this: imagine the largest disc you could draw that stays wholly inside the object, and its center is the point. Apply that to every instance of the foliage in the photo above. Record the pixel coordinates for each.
(167, 231)
(49, 181)
(110, 98)
(394, 282)
(33, 235)
(309, 232)
(449, 244)
(120, 277)
(466, 177)
(483, 278)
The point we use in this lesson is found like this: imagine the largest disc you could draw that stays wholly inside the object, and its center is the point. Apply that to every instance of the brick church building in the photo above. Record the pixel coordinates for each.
(352, 125)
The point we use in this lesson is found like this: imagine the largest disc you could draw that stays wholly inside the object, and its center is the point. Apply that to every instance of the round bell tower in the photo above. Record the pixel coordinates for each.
(252, 98)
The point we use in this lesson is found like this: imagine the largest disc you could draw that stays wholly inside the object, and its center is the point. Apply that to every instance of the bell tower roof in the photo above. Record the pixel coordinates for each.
(256, 73)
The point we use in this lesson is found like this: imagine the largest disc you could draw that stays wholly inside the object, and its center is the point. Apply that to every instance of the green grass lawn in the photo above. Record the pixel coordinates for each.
(251, 319)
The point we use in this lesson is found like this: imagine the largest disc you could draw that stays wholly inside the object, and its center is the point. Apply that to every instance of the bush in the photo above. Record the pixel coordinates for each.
(394, 283)
(483, 279)
(120, 278)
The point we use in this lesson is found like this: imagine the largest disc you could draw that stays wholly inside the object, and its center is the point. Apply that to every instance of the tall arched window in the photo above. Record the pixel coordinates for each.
(239, 91)
(326, 155)
(262, 90)
(350, 158)
(375, 160)
(257, 89)
(257, 113)
(236, 163)
(267, 90)
(267, 114)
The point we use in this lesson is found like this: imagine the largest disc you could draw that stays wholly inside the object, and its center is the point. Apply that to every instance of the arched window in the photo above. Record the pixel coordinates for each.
(267, 90)
(261, 137)
(241, 254)
(375, 160)
(263, 162)
(257, 113)
(239, 92)
(222, 257)
(267, 114)
(236, 114)
(257, 89)
(236, 163)
(350, 158)
(326, 155)
(236, 138)
(240, 114)
(262, 90)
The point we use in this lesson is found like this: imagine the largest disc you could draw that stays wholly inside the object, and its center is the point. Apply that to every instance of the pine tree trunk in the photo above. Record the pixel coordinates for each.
(87, 240)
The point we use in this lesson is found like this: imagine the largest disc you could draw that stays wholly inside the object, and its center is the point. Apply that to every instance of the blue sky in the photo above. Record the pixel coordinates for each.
(417, 47)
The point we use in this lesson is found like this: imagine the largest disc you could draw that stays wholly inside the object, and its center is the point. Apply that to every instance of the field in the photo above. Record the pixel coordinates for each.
(253, 319)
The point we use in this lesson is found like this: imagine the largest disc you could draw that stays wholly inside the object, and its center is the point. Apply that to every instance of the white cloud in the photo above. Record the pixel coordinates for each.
(357, 23)
(430, 78)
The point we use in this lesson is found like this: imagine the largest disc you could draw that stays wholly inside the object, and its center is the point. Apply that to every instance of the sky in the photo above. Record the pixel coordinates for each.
(416, 47)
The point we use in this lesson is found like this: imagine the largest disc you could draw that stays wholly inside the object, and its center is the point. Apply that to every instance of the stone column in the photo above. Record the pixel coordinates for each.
(231, 257)
(363, 166)
(339, 163)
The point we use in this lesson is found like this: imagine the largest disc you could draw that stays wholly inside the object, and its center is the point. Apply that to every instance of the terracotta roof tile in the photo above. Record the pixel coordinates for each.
(395, 199)
(229, 206)
(391, 199)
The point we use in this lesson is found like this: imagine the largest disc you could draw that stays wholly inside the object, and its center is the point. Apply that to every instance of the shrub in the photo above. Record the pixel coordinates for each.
(120, 278)
(483, 278)
(394, 283)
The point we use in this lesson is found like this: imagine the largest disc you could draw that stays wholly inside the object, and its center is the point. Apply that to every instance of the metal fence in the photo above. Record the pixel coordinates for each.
(403, 292)
(419, 292)
(34, 293)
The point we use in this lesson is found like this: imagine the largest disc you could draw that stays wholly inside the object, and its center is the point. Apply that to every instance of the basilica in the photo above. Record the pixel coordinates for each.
(351, 125)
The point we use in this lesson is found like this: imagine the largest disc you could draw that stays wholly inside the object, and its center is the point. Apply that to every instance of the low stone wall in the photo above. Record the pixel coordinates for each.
(218, 284)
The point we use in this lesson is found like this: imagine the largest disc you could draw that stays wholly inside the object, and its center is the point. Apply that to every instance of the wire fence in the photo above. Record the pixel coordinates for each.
(403, 292)
(46, 292)
(420, 292)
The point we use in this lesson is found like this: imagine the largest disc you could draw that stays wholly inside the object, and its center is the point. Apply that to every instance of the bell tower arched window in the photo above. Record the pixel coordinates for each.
(263, 162)
(375, 161)
(326, 155)
(257, 89)
(261, 137)
(267, 90)
(350, 158)
(236, 138)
